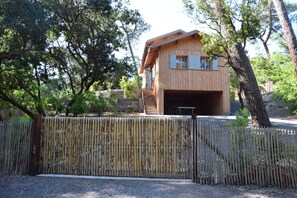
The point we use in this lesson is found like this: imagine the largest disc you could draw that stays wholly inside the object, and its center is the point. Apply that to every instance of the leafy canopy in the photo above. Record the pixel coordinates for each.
(279, 69)
(242, 18)
(54, 53)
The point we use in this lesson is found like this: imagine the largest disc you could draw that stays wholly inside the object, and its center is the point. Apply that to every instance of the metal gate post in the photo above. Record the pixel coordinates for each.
(194, 147)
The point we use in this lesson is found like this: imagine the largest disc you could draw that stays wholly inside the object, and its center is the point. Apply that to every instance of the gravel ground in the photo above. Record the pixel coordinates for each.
(285, 122)
(80, 187)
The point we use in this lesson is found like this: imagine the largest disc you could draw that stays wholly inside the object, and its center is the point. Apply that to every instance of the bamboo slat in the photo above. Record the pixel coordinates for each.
(159, 147)
(15, 146)
(116, 146)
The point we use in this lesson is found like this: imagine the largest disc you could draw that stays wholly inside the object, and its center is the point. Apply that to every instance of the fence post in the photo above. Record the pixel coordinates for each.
(194, 147)
(34, 163)
(268, 163)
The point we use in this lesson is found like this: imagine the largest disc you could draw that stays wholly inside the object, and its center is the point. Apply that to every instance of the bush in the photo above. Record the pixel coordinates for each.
(90, 103)
(242, 118)
(20, 119)
(130, 86)
(280, 70)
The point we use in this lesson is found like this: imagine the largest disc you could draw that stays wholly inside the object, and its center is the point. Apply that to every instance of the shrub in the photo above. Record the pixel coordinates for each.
(90, 103)
(242, 118)
(130, 86)
(20, 119)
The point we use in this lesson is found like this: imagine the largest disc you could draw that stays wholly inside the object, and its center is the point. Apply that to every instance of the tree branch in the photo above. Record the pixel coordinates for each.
(10, 100)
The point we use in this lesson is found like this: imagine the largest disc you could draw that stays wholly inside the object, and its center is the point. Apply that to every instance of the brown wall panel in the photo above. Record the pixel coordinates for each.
(177, 79)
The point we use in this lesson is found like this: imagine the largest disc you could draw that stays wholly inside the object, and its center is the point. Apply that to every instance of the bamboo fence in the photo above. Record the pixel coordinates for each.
(165, 147)
(245, 156)
(15, 145)
(134, 147)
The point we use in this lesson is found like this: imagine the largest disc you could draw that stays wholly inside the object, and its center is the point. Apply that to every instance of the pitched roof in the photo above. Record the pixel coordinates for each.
(151, 46)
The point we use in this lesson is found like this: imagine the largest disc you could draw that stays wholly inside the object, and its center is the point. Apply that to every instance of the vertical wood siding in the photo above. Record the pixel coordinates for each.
(197, 80)
(178, 79)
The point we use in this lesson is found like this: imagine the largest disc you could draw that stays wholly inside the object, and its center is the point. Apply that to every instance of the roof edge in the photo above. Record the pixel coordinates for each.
(167, 34)
(174, 39)
(147, 47)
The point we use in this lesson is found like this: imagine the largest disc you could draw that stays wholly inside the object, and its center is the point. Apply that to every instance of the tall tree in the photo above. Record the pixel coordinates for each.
(22, 45)
(287, 27)
(132, 25)
(230, 41)
(267, 26)
(270, 24)
(54, 51)
(86, 38)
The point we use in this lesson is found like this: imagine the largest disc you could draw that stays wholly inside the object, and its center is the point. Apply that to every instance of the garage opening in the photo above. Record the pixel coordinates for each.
(205, 102)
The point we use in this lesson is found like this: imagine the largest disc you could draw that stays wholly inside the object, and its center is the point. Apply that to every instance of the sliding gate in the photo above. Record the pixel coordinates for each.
(134, 147)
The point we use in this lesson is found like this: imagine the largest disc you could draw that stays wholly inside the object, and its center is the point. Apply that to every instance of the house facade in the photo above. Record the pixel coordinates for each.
(179, 75)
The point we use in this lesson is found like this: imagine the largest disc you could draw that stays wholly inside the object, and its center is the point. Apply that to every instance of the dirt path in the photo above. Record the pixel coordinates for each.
(79, 187)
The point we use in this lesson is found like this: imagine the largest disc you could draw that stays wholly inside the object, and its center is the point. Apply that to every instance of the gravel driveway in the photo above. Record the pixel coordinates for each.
(82, 187)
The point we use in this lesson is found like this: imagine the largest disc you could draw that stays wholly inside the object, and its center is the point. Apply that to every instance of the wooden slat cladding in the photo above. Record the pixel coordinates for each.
(134, 147)
(178, 79)
(157, 84)
(189, 80)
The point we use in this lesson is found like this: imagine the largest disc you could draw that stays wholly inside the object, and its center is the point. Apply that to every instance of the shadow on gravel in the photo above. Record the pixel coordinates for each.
(73, 187)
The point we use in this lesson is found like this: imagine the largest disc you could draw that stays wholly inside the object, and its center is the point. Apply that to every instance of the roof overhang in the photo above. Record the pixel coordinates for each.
(151, 46)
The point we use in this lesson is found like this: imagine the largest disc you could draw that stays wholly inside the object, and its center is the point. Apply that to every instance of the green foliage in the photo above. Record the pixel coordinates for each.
(279, 69)
(20, 119)
(234, 83)
(132, 26)
(90, 103)
(245, 14)
(242, 118)
(53, 52)
(261, 69)
(4, 105)
(130, 86)
(286, 85)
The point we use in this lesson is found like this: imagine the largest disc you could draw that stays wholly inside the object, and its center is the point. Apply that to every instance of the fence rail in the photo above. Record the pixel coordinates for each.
(15, 145)
(137, 147)
(243, 156)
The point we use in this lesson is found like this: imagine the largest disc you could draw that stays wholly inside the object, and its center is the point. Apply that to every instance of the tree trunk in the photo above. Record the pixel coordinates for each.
(265, 47)
(131, 49)
(40, 109)
(240, 98)
(239, 61)
(129, 44)
(287, 27)
(270, 29)
(242, 67)
(70, 103)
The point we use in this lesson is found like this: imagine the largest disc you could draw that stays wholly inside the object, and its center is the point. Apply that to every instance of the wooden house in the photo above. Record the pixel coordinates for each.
(177, 75)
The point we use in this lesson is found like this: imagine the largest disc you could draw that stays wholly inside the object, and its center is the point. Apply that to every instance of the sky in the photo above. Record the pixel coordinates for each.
(164, 16)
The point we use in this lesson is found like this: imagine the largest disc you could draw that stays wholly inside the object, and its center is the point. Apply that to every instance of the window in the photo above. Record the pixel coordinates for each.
(181, 62)
(205, 63)
(192, 62)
